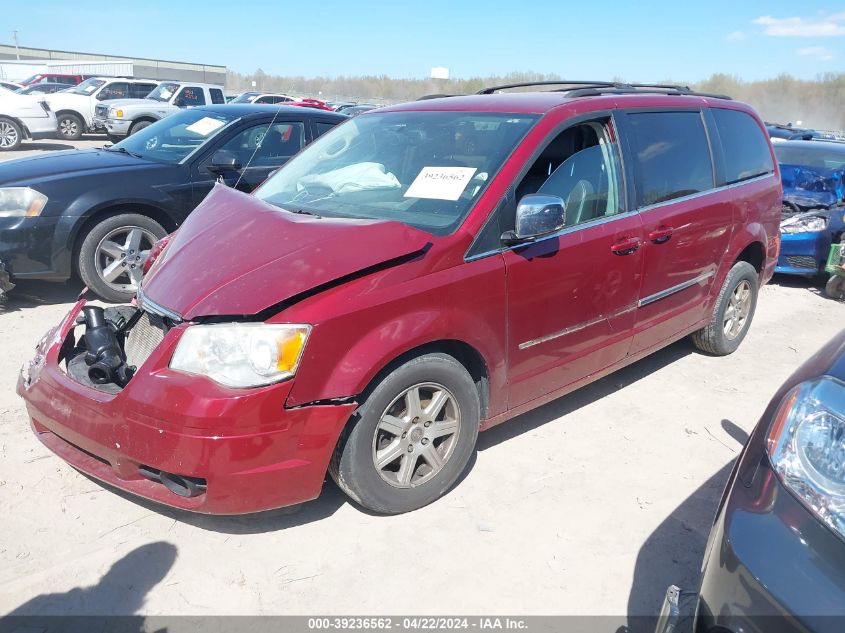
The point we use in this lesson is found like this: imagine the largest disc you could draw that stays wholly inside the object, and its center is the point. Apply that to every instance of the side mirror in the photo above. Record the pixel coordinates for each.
(536, 215)
(223, 160)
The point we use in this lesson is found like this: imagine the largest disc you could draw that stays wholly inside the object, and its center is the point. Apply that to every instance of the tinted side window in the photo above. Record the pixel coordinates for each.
(115, 90)
(139, 91)
(217, 96)
(321, 127)
(192, 96)
(671, 154)
(745, 150)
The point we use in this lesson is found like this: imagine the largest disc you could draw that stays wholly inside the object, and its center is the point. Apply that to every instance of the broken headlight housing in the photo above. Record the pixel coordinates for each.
(21, 202)
(241, 354)
(806, 444)
(803, 224)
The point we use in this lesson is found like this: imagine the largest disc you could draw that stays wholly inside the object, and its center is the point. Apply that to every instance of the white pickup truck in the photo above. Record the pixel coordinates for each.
(126, 116)
(75, 107)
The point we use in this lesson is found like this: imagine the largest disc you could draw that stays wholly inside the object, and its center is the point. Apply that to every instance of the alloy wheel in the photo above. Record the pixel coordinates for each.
(120, 257)
(416, 435)
(739, 307)
(68, 127)
(8, 134)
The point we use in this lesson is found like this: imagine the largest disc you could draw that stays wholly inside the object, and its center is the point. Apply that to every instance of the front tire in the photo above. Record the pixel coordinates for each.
(835, 287)
(113, 253)
(71, 126)
(732, 314)
(411, 437)
(11, 135)
(139, 125)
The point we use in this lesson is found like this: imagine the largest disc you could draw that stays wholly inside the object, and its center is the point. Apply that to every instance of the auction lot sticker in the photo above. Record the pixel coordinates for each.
(440, 183)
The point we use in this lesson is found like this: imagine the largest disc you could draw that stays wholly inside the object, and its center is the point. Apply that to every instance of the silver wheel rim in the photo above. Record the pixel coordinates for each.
(416, 435)
(68, 127)
(8, 134)
(120, 256)
(739, 307)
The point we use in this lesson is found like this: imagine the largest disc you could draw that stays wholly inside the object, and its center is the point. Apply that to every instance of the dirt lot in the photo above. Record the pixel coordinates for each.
(592, 504)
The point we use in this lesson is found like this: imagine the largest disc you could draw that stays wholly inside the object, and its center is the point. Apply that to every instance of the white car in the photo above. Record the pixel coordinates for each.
(22, 117)
(75, 107)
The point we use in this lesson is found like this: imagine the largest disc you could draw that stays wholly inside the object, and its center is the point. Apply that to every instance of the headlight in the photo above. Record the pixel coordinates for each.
(807, 447)
(241, 354)
(805, 224)
(115, 113)
(21, 202)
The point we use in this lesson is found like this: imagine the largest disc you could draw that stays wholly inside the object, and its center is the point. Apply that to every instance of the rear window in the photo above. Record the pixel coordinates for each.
(671, 154)
(746, 152)
(813, 156)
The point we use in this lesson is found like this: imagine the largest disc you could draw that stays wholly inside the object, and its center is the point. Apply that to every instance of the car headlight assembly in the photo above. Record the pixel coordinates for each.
(21, 202)
(804, 224)
(806, 444)
(115, 113)
(241, 354)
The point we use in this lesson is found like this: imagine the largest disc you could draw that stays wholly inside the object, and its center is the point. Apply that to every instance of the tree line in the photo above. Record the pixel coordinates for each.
(818, 103)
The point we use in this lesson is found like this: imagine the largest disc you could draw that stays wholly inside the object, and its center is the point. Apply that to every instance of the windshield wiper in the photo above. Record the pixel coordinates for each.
(303, 212)
(122, 150)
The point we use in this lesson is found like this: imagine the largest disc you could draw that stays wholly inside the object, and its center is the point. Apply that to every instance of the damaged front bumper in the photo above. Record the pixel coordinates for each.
(180, 439)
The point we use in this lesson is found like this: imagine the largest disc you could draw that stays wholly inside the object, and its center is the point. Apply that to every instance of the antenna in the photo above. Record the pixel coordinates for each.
(15, 38)
(257, 147)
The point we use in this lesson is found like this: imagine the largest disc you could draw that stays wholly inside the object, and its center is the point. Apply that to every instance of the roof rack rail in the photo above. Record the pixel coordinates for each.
(596, 88)
(559, 82)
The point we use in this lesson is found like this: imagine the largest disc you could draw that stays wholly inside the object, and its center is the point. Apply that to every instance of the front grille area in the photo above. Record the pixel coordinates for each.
(802, 261)
(143, 338)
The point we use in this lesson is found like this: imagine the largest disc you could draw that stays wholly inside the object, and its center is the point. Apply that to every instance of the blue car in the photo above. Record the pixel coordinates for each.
(813, 176)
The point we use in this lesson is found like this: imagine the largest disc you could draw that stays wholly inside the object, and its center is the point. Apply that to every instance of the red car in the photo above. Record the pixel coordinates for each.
(311, 103)
(417, 275)
(57, 78)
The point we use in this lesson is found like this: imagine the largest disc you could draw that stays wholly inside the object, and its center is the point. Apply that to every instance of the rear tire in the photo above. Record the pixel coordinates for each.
(99, 250)
(71, 126)
(402, 451)
(11, 135)
(732, 313)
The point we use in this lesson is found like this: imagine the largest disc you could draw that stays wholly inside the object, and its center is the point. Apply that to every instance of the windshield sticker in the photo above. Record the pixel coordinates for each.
(440, 183)
(205, 126)
(90, 89)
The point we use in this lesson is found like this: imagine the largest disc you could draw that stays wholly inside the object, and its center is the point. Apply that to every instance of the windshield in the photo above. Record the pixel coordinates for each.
(163, 91)
(87, 87)
(246, 97)
(176, 137)
(425, 169)
(807, 157)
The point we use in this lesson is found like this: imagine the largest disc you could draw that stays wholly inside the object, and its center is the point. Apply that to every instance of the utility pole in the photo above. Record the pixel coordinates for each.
(15, 37)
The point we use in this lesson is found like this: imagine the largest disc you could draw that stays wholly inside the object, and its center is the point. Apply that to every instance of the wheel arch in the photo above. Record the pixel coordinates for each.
(467, 355)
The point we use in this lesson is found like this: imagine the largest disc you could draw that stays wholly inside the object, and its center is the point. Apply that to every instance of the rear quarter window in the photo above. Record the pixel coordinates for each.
(217, 96)
(745, 149)
(671, 155)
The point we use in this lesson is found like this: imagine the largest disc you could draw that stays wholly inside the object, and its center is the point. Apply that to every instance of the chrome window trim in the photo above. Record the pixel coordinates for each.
(677, 288)
(571, 229)
(151, 306)
(693, 196)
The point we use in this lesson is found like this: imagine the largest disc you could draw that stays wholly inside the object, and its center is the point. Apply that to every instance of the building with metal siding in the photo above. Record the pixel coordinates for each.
(34, 60)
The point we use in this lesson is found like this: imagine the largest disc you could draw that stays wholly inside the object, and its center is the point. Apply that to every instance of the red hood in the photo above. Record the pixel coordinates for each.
(237, 255)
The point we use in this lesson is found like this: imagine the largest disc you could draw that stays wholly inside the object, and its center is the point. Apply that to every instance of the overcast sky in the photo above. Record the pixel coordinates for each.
(580, 40)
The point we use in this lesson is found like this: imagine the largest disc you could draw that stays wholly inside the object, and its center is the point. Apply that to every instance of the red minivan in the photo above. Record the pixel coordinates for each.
(414, 276)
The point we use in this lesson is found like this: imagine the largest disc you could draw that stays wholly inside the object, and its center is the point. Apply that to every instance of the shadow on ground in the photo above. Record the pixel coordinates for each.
(673, 553)
(120, 592)
(29, 294)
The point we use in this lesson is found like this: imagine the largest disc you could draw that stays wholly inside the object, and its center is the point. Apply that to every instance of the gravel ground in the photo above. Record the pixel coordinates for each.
(592, 504)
